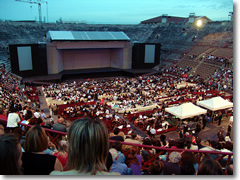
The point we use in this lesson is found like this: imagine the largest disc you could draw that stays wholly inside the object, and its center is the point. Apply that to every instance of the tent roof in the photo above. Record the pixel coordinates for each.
(215, 103)
(186, 110)
(87, 36)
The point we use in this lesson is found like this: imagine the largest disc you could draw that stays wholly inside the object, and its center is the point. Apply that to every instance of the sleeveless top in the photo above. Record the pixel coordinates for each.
(37, 164)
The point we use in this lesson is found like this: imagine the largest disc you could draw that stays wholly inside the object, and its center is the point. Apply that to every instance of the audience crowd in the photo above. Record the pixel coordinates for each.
(92, 145)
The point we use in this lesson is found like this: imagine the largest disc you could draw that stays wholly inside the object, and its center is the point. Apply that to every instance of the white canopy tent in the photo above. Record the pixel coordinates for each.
(215, 103)
(186, 110)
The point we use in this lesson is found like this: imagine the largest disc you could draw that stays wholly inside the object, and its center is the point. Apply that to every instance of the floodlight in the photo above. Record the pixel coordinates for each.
(199, 22)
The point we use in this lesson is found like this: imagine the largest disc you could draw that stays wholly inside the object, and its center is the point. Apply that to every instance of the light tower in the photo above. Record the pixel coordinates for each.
(39, 3)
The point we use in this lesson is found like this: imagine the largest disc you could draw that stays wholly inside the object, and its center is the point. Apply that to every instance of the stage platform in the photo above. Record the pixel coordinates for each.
(79, 74)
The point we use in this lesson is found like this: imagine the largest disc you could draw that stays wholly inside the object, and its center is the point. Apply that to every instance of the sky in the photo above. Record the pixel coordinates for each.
(113, 11)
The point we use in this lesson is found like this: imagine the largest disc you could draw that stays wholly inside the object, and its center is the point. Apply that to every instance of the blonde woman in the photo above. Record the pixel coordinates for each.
(88, 148)
(62, 153)
(34, 160)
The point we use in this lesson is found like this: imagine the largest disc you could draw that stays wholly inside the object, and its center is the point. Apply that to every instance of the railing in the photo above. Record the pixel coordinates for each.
(55, 135)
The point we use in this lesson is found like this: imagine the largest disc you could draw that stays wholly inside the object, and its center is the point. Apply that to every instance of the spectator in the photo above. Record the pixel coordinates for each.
(116, 135)
(88, 148)
(60, 126)
(43, 115)
(229, 127)
(134, 160)
(37, 114)
(11, 155)
(13, 119)
(163, 138)
(117, 166)
(146, 156)
(2, 127)
(181, 133)
(204, 121)
(109, 162)
(199, 143)
(227, 137)
(152, 132)
(51, 147)
(198, 129)
(62, 153)
(212, 147)
(210, 167)
(35, 161)
(171, 167)
(219, 118)
(189, 156)
(189, 145)
(133, 139)
(28, 114)
(118, 146)
(187, 168)
(229, 169)
(156, 168)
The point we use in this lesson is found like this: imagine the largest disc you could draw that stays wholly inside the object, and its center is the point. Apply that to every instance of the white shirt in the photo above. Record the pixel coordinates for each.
(153, 131)
(13, 119)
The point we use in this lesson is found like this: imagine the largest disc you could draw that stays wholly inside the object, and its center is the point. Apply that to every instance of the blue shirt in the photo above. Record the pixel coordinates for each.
(121, 157)
(119, 167)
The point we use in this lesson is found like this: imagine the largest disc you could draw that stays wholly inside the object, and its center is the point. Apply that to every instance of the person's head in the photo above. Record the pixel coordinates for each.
(198, 140)
(180, 143)
(61, 120)
(114, 154)
(11, 155)
(2, 127)
(228, 145)
(116, 131)
(109, 162)
(63, 146)
(187, 168)
(36, 139)
(147, 141)
(88, 145)
(175, 157)
(229, 169)
(117, 145)
(133, 150)
(156, 167)
(210, 167)
(213, 144)
(188, 142)
(188, 156)
(18, 132)
(134, 134)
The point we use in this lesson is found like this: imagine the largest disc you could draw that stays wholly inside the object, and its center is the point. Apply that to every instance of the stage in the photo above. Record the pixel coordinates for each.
(79, 74)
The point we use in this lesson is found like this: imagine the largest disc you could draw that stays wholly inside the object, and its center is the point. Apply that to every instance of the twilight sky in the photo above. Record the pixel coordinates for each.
(114, 11)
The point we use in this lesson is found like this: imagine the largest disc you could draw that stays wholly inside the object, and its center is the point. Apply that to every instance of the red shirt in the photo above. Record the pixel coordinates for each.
(62, 158)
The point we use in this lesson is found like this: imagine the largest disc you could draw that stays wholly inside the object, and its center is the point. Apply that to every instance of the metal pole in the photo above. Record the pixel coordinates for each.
(47, 10)
(40, 13)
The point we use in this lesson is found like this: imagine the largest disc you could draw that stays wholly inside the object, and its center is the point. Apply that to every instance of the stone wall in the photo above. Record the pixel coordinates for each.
(175, 38)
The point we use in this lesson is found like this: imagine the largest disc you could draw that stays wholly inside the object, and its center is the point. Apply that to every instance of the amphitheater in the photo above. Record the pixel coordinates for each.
(178, 40)
(182, 45)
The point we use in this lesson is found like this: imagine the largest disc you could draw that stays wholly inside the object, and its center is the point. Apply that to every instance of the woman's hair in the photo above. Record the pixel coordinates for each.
(210, 167)
(188, 142)
(10, 154)
(36, 139)
(117, 145)
(88, 145)
(156, 167)
(188, 156)
(131, 158)
(63, 148)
